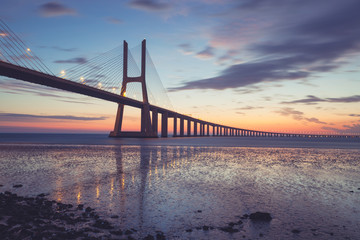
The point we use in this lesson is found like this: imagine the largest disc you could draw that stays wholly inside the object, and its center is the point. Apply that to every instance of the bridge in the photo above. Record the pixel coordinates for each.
(17, 61)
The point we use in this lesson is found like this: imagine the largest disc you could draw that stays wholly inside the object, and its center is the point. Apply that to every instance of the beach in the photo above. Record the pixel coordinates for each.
(197, 188)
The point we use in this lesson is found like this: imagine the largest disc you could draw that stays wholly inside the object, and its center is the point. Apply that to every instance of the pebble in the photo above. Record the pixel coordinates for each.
(17, 186)
(260, 216)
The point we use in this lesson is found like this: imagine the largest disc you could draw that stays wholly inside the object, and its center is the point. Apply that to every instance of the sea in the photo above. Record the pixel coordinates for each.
(310, 186)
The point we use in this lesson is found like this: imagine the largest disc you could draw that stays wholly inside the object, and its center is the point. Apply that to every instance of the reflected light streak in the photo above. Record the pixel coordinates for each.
(97, 191)
(78, 197)
(112, 187)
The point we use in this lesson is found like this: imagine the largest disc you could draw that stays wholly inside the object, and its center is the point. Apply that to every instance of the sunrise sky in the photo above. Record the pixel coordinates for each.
(280, 65)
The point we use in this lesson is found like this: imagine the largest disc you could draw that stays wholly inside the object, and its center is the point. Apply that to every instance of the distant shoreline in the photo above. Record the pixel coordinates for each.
(211, 141)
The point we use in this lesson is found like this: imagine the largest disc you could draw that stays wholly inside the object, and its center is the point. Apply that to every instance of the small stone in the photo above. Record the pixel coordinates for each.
(296, 231)
(261, 235)
(41, 195)
(17, 186)
(205, 228)
(114, 216)
(1, 185)
(102, 224)
(149, 237)
(88, 209)
(199, 211)
(260, 216)
(160, 235)
(189, 230)
(128, 232)
(80, 206)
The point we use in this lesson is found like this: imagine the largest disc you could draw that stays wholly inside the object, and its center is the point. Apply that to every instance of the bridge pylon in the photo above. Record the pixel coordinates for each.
(147, 128)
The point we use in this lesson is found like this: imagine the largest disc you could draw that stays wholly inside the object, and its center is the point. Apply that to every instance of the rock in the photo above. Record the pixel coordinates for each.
(80, 207)
(41, 195)
(17, 186)
(206, 228)
(296, 231)
(103, 224)
(1, 185)
(118, 232)
(188, 230)
(229, 229)
(260, 216)
(199, 211)
(88, 209)
(114, 216)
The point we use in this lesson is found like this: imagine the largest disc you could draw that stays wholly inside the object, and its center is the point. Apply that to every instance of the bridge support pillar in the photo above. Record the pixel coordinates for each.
(175, 127)
(164, 124)
(155, 122)
(195, 128)
(146, 126)
(188, 128)
(181, 127)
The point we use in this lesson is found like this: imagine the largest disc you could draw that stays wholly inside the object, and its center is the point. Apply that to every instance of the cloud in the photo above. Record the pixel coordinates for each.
(354, 115)
(60, 48)
(64, 49)
(298, 115)
(55, 9)
(348, 129)
(114, 20)
(314, 100)
(281, 44)
(250, 73)
(207, 53)
(249, 108)
(17, 116)
(149, 5)
(186, 49)
(79, 60)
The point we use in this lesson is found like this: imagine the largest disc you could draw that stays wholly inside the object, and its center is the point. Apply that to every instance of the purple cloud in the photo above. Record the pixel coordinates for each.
(186, 49)
(314, 100)
(149, 5)
(114, 20)
(55, 9)
(78, 60)
(207, 53)
(245, 74)
(17, 116)
(294, 47)
(348, 129)
(298, 115)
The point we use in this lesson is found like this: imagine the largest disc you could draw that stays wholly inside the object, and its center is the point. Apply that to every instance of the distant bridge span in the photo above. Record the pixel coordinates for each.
(149, 124)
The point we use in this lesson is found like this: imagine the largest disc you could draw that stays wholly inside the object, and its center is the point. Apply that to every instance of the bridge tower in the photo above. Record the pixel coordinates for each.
(147, 130)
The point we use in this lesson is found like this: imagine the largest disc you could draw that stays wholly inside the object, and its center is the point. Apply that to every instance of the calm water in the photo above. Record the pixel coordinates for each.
(161, 184)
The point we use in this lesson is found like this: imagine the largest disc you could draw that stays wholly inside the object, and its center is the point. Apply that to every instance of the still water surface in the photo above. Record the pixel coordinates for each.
(173, 188)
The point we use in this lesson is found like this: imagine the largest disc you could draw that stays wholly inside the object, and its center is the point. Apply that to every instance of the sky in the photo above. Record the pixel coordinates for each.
(280, 65)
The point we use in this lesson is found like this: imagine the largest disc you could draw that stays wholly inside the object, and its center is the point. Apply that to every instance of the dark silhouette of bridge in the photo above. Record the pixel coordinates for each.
(30, 69)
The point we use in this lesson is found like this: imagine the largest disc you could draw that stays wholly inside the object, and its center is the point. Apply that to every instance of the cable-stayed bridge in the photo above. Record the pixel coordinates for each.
(116, 76)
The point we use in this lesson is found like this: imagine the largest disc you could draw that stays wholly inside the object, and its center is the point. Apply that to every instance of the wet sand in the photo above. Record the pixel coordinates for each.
(186, 192)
